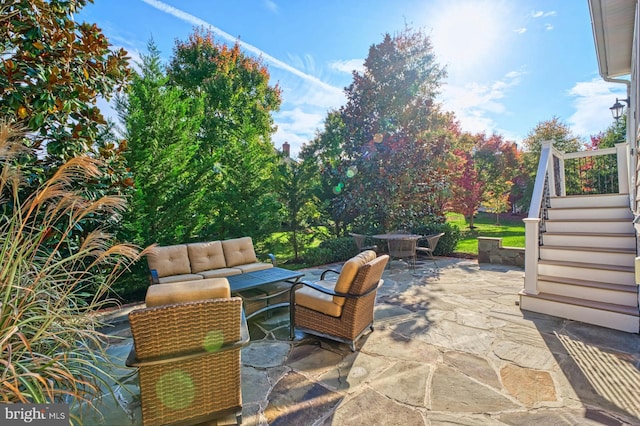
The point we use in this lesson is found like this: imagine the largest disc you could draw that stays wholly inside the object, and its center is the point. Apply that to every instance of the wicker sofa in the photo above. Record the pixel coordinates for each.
(198, 261)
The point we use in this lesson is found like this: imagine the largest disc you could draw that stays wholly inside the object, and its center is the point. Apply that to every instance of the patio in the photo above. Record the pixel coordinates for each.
(450, 346)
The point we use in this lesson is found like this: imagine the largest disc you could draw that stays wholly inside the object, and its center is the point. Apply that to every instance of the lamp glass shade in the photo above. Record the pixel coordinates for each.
(616, 110)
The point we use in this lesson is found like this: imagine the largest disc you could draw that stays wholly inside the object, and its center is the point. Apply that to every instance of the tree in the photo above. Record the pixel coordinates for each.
(236, 160)
(497, 198)
(324, 155)
(563, 140)
(298, 180)
(395, 135)
(161, 126)
(467, 189)
(52, 72)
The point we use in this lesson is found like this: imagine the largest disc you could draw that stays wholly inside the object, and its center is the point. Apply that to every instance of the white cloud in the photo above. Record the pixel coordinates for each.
(592, 100)
(271, 5)
(548, 27)
(542, 14)
(520, 30)
(348, 66)
(473, 103)
(195, 21)
(297, 127)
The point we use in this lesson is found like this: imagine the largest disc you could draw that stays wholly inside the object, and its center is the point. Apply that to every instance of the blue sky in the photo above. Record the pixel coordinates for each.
(511, 64)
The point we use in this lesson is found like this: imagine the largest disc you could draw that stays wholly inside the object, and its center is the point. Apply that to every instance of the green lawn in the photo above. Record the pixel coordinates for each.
(510, 229)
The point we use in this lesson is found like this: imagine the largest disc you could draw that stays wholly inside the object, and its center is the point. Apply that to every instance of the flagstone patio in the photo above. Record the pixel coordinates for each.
(451, 346)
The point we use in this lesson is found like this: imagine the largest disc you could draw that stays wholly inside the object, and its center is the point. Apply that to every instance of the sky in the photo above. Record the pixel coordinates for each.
(510, 64)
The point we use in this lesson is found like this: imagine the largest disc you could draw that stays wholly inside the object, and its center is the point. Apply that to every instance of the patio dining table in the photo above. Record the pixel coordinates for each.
(401, 246)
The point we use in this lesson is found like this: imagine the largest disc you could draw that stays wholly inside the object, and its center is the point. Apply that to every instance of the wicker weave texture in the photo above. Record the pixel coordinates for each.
(180, 391)
(174, 329)
(357, 314)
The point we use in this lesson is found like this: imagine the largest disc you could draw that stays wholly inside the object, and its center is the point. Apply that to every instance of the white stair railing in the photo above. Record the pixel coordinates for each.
(550, 182)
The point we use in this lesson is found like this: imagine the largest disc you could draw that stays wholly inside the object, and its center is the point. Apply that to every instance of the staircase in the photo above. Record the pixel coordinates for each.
(585, 270)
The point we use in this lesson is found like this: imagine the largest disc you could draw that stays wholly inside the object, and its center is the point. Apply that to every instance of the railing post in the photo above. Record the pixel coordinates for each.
(563, 184)
(531, 254)
(623, 168)
(551, 175)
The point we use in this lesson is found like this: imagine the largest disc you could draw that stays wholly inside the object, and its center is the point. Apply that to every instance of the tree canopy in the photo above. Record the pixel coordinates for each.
(396, 140)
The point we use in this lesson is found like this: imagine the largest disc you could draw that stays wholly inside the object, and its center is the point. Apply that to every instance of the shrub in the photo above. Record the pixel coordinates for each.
(51, 349)
(447, 243)
(330, 251)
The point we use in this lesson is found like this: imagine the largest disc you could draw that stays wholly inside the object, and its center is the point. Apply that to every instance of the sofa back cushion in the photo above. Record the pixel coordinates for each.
(349, 272)
(169, 260)
(206, 256)
(238, 251)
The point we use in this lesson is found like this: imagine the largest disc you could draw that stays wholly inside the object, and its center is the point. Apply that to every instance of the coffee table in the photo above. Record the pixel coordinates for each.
(260, 280)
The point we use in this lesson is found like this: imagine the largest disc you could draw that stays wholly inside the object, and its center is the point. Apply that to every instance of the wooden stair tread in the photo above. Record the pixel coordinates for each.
(589, 208)
(590, 220)
(589, 195)
(620, 250)
(603, 306)
(591, 284)
(592, 234)
(585, 265)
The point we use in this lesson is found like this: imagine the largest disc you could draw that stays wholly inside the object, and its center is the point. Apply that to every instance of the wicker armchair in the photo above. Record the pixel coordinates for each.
(341, 310)
(188, 359)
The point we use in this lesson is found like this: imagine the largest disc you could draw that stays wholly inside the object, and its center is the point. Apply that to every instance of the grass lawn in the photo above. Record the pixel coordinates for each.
(510, 229)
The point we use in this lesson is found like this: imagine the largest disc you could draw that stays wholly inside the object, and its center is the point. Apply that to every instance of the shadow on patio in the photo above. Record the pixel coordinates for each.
(450, 346)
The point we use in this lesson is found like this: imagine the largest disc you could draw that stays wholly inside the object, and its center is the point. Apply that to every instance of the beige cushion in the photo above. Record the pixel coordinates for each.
(349, 272)
(238, 251)
(189, 291)
(256, 266)
(206, 256)
(318, 301)
(222, 272)
(169, 260)
(179, 278)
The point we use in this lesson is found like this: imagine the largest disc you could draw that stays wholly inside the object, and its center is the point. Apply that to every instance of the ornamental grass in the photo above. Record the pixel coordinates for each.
(52, 282)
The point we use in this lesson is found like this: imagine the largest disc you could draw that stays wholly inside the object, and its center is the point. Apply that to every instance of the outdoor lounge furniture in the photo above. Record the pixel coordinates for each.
(432, 242)
(187, 345)
(360, 241)
(341, 310)
(198, 261)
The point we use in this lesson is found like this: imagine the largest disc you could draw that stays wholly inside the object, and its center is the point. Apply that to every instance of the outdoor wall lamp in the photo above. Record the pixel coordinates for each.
(618, 109)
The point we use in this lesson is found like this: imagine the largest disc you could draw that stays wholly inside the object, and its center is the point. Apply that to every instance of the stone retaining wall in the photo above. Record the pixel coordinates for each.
(490, 250)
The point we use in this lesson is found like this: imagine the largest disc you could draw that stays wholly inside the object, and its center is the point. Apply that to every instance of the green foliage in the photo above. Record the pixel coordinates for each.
(50, 348)
(563, 140)
(236, 167)
(330, 251)
(297, 184)
(396, 141)
(324, 156)
(53, 71)
(447, 243)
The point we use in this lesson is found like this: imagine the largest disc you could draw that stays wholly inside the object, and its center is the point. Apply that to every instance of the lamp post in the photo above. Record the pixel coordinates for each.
(618, 109)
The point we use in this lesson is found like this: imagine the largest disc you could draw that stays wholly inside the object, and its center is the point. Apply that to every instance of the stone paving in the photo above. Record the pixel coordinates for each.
(450, 346)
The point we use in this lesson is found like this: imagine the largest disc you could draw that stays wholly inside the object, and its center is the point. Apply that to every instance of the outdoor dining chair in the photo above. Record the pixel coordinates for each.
(429, 249)
(403, 248)
(360, 241)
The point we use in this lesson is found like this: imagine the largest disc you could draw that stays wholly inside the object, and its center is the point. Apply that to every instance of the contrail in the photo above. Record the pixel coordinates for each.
(194, 20)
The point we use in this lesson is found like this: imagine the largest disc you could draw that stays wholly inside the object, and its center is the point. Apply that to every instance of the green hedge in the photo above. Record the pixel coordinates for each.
(330, 251)
(447, 243)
